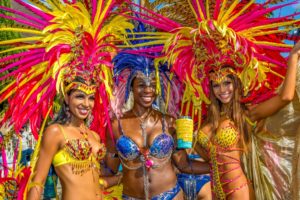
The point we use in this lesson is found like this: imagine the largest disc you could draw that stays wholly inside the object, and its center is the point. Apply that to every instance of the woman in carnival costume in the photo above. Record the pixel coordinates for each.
(67, 58)
(230, 44)
(226, 134)
(144, 136)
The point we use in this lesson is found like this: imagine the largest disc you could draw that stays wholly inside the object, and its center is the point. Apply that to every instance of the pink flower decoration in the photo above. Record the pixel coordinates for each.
(149, 163)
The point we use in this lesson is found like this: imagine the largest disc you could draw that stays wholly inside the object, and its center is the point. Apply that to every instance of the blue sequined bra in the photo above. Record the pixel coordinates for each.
(161, 147)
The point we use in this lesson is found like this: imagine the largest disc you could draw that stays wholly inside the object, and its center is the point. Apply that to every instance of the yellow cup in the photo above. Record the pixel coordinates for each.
(184, 132)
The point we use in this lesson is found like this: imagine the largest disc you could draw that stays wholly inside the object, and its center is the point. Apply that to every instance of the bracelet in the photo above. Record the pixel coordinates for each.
(102, 182)
(35, 184)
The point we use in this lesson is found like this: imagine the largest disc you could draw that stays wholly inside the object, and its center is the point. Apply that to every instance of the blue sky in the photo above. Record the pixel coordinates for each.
(290, 9)
(286, 10)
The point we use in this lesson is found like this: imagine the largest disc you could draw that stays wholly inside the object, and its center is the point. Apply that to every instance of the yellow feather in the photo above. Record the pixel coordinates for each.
(273, 44)
(260, 33)
(21, 30)
(228, 12)
(12, 92)
(39, 5)
(269, 26)
(17, 40)
(228, 21)
(37, 147)
(55, 43)
(199, 9)
(99, 17)
(207, 9)
(222, 10)
(24, 47)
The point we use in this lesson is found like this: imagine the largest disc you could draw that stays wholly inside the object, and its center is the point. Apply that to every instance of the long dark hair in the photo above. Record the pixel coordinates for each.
(64, 115)
(237, 113)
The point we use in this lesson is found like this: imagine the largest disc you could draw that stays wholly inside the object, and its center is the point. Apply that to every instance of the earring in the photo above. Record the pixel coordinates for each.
(89, 120)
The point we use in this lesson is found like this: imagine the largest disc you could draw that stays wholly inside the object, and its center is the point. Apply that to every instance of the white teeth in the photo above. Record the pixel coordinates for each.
(83, 111)
(224, 95)
(147, 98)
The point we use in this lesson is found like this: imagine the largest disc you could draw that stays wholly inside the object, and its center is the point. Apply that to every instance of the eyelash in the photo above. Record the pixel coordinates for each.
(79, 96)
(225, 83)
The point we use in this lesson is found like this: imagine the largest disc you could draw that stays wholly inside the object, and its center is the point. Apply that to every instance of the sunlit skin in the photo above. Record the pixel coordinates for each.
(224, 93)
(144, 94)
(223, 90)
(74, 186)
(163, 178)
(80, 104)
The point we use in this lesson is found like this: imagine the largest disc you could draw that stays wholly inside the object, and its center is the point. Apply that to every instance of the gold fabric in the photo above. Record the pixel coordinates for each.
(113, 193)
(296, 169)
(226, 137)
(203, 140)
(273, 161)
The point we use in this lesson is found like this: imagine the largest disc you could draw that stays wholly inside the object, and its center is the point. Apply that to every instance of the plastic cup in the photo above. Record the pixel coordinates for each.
(184, 132)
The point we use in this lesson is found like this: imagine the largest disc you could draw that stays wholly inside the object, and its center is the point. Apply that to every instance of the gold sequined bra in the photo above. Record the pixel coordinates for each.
(217, 147)
(78, 154)
(225, 137)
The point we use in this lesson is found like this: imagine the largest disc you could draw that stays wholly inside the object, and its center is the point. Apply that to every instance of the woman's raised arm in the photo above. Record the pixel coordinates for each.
(285, 95)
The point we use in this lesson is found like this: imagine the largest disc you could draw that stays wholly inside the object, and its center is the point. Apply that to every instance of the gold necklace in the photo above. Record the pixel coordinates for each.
(83, 131)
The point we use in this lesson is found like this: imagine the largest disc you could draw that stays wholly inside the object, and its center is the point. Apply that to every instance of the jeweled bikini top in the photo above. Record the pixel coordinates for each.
(161, 147)
(225, 137)
(78, 152)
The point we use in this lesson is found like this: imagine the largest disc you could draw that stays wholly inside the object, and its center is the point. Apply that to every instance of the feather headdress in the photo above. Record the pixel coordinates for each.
(204, 35)
(61, 40)
(133, 62)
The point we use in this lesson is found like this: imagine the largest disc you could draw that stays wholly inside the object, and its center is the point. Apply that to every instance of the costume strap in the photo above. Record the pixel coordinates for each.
(62, 131)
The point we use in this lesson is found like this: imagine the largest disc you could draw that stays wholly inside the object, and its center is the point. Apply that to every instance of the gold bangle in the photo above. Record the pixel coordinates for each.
(102, 182)
(35, 184)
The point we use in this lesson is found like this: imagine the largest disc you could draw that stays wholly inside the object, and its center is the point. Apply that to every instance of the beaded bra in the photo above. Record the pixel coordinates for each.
(224, 141)
(78, 153)
(161, 148)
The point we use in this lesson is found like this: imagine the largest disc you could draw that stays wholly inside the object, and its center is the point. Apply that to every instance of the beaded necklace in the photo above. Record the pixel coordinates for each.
(143, 126)
(147, 162)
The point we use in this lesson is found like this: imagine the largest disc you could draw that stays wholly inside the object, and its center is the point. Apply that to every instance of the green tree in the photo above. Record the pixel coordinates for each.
(5, 35)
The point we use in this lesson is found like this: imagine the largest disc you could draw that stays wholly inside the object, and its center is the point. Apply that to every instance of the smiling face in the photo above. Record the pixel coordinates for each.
(144, 91)
(80, 104)
(223, 90)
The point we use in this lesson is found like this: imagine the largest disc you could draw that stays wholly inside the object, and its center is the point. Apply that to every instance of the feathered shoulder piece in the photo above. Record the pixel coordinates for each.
(59, 40)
